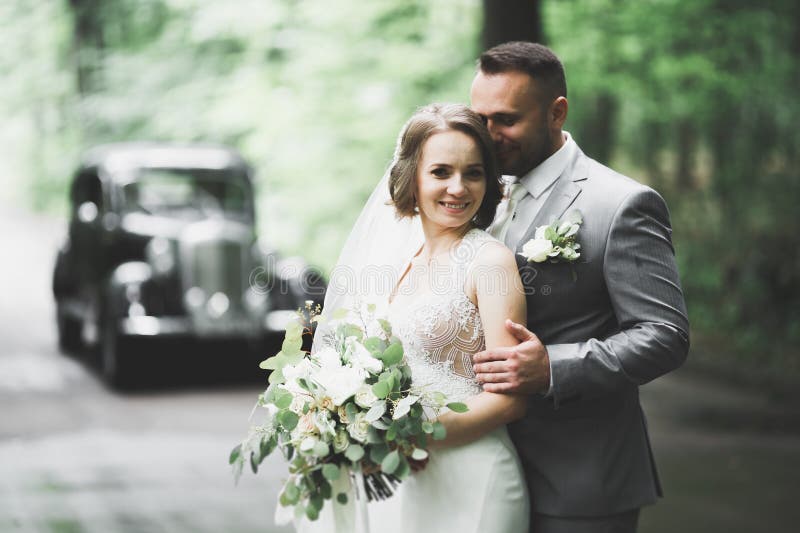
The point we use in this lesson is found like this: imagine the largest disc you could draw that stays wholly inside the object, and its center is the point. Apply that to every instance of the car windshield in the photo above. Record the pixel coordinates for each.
(190, 193)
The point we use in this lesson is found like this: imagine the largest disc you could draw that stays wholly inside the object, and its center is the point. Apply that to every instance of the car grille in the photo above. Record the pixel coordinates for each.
(214, 258)
(217, 267)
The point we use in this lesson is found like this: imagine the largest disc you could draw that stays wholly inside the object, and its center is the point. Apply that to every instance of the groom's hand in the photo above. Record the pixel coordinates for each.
(524, 368)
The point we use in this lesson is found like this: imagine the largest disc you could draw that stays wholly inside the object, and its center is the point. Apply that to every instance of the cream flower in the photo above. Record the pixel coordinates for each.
(360, 357)
(365, 397)
(341, 441)
(537, 250)
(358, 428)
(340, 383)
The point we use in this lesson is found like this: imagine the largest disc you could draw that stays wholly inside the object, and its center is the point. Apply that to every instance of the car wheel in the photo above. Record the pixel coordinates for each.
(116, 359)
(69, 332)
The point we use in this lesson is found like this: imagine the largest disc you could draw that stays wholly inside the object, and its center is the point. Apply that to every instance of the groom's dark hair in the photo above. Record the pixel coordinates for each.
(534, 59)
(427, 121)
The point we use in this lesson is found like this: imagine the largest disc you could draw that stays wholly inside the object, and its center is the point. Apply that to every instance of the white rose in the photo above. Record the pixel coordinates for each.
(339, 383)
(326, 403)
(537, 250)
(358, 428)
(328, 358)
(341, 441)
(297, 405)
(305, 426)
(294, 372)
(307, 444)
(359, 356)
(365, 397)
(342, 414)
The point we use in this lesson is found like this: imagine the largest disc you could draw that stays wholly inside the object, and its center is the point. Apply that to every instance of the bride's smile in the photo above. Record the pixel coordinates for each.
(451, 182)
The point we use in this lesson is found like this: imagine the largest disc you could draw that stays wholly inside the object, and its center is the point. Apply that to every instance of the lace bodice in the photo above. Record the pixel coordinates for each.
(442, 330)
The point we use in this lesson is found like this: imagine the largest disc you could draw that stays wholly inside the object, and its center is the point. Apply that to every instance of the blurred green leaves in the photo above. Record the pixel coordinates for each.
(697, 98)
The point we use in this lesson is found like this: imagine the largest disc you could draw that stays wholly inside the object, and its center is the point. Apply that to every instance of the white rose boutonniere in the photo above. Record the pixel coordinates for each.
(555, 242)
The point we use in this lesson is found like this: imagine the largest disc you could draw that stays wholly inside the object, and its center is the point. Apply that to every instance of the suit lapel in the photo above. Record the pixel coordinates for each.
(563, 195)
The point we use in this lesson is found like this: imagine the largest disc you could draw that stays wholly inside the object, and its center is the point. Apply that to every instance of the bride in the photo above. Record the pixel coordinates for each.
(449, 299)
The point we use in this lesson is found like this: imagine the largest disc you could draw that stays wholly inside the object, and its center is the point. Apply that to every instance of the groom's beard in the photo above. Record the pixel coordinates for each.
(525, 156)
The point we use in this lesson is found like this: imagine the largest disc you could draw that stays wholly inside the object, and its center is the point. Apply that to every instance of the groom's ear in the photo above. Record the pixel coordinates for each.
(558, 112)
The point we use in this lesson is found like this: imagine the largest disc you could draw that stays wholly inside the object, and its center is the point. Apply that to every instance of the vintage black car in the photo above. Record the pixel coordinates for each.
(162, 243)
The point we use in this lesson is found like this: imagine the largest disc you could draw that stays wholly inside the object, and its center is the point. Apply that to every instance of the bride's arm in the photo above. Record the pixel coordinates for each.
(495, 284)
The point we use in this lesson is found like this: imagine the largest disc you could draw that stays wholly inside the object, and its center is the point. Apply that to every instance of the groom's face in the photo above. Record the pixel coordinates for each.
(516, 116)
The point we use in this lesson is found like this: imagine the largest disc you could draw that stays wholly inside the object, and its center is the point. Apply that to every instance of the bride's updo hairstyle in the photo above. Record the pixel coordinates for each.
(427, 121)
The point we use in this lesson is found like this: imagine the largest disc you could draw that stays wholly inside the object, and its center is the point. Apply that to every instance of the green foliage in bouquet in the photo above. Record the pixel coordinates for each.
(348, 408)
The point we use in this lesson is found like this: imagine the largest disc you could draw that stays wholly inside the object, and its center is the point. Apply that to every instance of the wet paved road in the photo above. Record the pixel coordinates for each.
(76, 457)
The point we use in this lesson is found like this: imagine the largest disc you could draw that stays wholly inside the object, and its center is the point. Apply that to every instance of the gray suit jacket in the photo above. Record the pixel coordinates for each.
(612, 321)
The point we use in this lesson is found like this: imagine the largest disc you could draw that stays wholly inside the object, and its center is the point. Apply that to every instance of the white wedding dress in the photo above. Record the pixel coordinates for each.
(477, 487)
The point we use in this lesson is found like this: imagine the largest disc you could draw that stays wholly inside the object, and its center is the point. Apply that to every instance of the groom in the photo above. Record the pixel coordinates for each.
(604, 324)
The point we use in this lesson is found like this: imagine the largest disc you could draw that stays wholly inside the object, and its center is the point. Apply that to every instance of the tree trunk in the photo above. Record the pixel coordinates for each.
(599, 130)
(686, 147)
(511, 20)
(87, 42)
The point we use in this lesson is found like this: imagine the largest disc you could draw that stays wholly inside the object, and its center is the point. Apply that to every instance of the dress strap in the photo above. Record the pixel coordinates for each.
(466, 252)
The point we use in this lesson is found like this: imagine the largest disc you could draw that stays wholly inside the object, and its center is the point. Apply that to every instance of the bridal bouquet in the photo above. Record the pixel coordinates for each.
(345, 411)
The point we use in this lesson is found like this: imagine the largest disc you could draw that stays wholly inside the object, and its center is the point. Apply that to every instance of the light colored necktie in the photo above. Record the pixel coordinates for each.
(499, 229)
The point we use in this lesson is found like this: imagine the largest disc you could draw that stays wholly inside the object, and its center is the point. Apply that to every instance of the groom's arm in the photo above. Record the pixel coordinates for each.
(642, 281)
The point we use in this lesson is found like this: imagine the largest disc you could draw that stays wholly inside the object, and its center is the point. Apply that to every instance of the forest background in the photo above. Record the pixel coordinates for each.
(697, 98)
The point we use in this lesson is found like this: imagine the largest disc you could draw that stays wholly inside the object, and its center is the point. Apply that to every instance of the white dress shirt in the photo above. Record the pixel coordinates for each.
(539, 184)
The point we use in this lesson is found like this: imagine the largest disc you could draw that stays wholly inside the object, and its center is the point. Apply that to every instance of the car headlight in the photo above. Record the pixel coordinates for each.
(255, 300)
(160, 255)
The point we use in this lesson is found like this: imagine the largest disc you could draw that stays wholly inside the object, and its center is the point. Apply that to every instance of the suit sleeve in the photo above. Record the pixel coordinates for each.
(642, 281)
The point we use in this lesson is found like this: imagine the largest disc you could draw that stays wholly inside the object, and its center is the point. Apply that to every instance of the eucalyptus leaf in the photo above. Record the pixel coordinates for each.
(376, 411)
(458, 407)
(390, 462)
(404, 406)
(321, 449)
(439, 431)
(375, 345)
(385, 326)
(393, 354)
(312, 513)
(288, 419)
(236, 453)
(403, 469)
(291, 345)
(381, 389)
(276, 377)
(380, 424)
(330, 471)
(254, 462)
(354, 453)
(272, 363)
(283, 399)
(292, 493)
(378, 452)
(419, 454)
